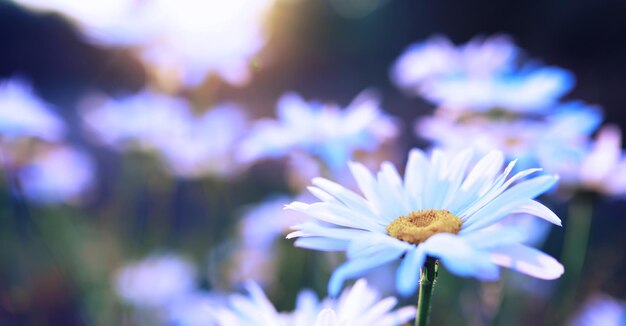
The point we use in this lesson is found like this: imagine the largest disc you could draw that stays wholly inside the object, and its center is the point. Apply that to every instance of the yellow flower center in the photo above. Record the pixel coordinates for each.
(418, 226)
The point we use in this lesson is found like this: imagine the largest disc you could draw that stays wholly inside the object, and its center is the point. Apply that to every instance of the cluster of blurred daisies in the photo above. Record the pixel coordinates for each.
(487, 96)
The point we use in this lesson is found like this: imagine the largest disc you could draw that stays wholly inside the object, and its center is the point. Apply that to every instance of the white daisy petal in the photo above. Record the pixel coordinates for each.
(400, 317)
(484, 170)
(339, 215)
(527, 260)
(371, 243)
(392, 194)
(311, 229)
(491, 191)
(257, 295)
(359, 305)
(495, 236)
(322, 195)
(508, 201)
(327, 317)
(457, 171)
(321, 244)
(377, 311)
(469, 193)
(367, 184)
(409, 271)
(538, 209)
(436, 180)
(414, 177)
(347, 197)
(460, 257)
(356, 267)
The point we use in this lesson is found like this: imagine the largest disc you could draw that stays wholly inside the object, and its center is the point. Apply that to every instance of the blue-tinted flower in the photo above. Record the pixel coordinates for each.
(183, 40)
(601, 309)
(190, 145)
(260, 227)
(360, 305)
(60, 174)
(155, 281)
(481, 75)
(194, 308)
(598, 165)
(109, 22)
(206, 145)
(220, 37)
(604, 166)
(548, 141)
(531, 90)
(438, 58)
(324, 130)
(438, 210)
(22, 114)
(140, 120)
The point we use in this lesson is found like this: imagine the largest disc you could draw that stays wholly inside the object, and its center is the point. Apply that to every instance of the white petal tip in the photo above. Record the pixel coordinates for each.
(295, 234)
(296, 206)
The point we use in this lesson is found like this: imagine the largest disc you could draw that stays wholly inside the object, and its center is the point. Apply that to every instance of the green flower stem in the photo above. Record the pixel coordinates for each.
(427, 284)
(575, 245)
(577, 235)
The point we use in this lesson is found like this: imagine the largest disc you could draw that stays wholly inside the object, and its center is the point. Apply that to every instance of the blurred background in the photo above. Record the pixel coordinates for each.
(128, 154)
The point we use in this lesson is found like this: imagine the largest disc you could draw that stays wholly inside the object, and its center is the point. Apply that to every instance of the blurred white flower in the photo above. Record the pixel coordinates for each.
(601, 309)
(109, 22)
(206, 145)
(60, 174)
(265, 222)
(522, 91)
(155, 281)
(194, 309)
(604, 167)
(191, 146)
(598, 165)
(23, 114)
(325, 131)
(550, 142)
(186, 38)
(201, 37)
(259, 229)
(360, 305)
(438, 58)
(482, 75)
(142, 120)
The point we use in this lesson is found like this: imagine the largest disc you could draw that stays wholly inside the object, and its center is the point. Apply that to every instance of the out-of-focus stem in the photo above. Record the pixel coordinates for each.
(577, 231)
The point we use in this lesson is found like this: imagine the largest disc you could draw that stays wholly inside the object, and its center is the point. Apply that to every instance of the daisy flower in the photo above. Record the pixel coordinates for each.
(325, 131)
(604, 167)
(182, 41)
(601, 309)
(190, 145)
(60, 174)
(260, 228)
(437, 57)
(193, 309)
(359, 305)
(155, 281)
(439, 210)
(205, 145)
(549, 142)
(481, 75)
(137, 121)
(22, 114)
(599, 165)
(532, 90)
